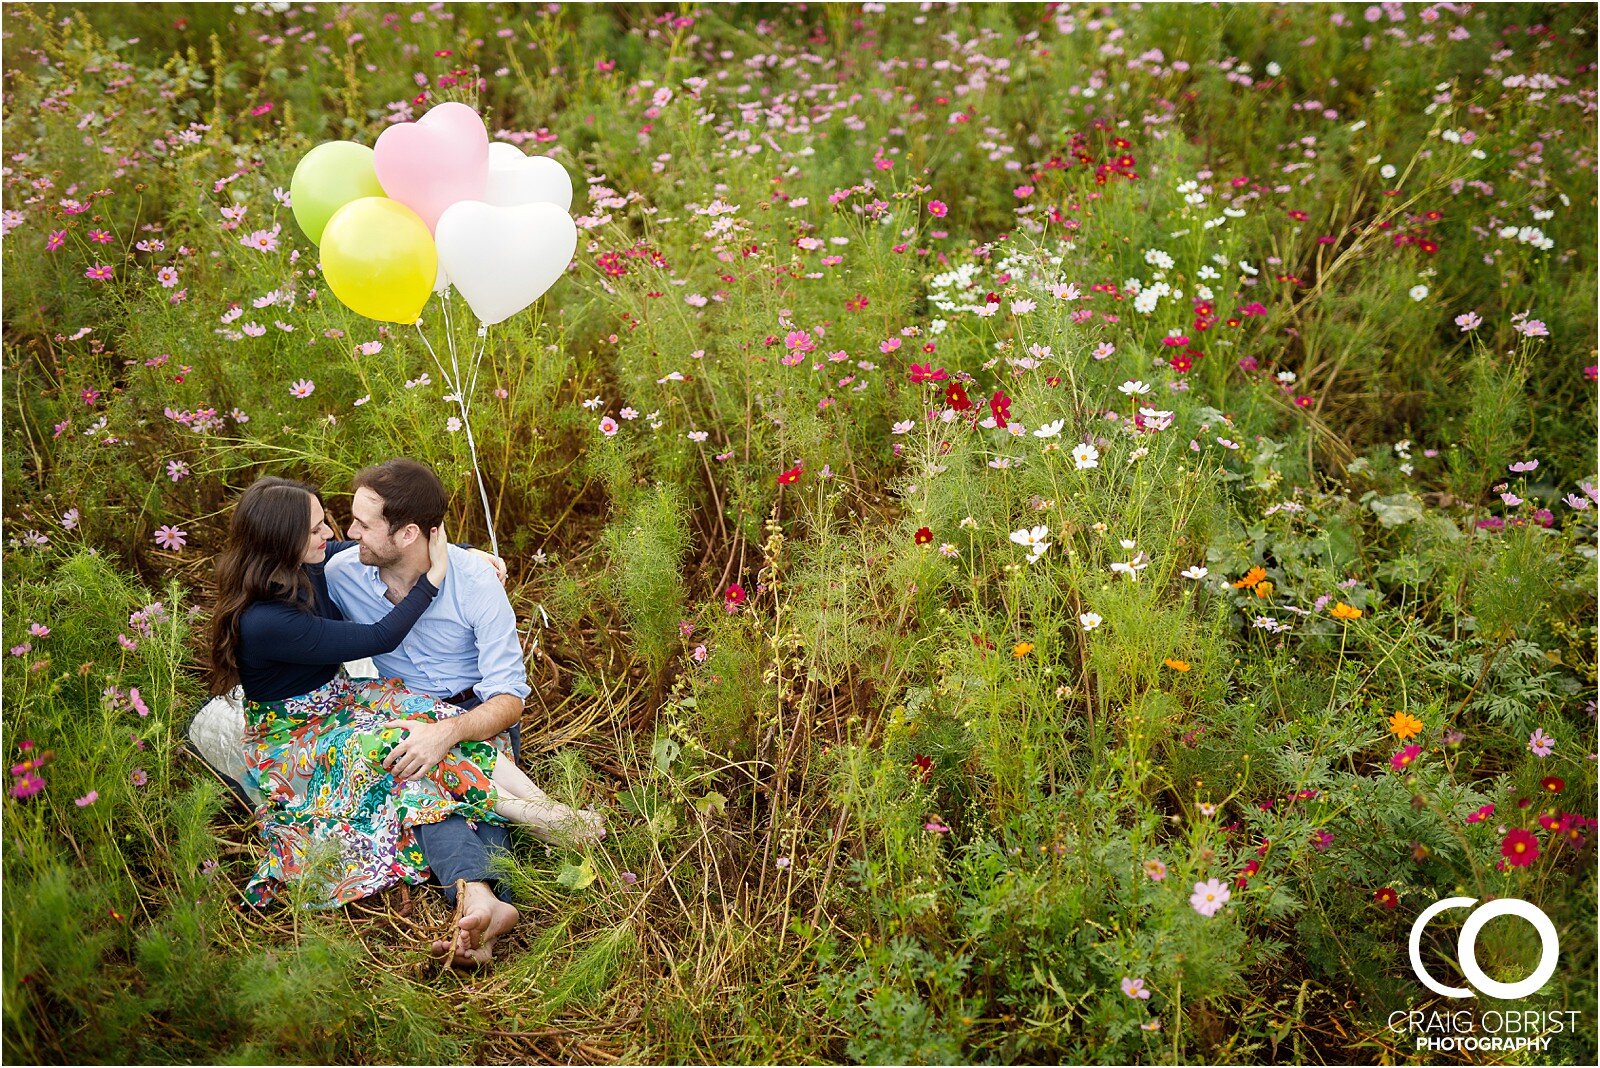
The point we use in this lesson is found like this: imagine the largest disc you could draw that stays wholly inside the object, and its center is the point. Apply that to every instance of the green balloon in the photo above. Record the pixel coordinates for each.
(329, 177)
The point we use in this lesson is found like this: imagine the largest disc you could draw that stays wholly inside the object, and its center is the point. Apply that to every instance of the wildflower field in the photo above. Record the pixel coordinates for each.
(1052, 532)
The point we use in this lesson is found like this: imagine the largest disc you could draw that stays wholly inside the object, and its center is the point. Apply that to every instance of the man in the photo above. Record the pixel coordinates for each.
(464, 649)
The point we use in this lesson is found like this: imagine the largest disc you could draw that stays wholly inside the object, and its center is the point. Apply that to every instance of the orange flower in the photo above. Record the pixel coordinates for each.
(1404, 726)
(1251, 577)
(1176, 665)
(1264, 590)
(1021, 649)
(1344, 611)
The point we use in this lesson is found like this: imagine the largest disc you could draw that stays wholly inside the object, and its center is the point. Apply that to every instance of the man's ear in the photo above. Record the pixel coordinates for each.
(408, 534)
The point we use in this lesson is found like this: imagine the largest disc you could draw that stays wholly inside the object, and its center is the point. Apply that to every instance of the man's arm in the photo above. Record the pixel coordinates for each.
(503, 685)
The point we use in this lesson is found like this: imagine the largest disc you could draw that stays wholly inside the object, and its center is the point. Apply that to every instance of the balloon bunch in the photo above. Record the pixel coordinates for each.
(432, 205)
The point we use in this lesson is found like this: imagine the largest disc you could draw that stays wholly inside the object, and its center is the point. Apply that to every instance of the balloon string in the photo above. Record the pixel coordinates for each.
(472, 446)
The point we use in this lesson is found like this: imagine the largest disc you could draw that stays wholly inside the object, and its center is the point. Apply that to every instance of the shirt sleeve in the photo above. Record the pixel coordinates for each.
(494, 626)
(295, 637)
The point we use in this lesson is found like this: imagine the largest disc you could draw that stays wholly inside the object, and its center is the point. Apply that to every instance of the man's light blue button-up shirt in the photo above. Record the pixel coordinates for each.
(466, 638)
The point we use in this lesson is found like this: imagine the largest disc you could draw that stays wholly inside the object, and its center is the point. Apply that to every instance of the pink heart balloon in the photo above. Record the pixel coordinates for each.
(434, 162)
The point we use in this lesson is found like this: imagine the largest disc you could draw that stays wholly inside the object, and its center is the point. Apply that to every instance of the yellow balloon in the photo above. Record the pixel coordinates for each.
(379, 259)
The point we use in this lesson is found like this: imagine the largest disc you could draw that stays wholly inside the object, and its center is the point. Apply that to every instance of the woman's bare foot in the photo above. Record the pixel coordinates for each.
(551, 821)
(482, 920)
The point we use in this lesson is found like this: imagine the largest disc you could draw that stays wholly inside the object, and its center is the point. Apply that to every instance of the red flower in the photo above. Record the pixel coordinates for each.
(1520, 847)
(734, 596)
(1181, 364)
(956, 397)
(1387, 898)
(923, 536)
(1000, 407)
(790, 477)
(926, 372)
(1552, 783)
(922, 767)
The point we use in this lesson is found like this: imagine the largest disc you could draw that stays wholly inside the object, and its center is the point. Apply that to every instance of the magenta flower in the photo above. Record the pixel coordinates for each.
(57, 239)
(1405, 758)
(302, 388)
(171, 538)
(99, 272)
(938, 209)
(26, 786)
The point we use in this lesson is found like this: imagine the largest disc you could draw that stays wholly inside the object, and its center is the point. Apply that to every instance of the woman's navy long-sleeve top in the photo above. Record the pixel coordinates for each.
(286, 651)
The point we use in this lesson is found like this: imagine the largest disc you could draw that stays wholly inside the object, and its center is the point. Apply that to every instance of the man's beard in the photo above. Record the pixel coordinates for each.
(372, 558)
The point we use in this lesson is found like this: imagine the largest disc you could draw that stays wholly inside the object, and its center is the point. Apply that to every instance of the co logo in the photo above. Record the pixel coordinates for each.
(1467, 948)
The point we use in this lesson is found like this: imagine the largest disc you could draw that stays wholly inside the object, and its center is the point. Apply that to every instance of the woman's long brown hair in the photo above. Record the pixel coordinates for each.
(266, 545)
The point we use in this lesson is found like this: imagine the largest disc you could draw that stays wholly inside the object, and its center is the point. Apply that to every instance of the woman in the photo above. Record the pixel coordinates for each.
(314, 748)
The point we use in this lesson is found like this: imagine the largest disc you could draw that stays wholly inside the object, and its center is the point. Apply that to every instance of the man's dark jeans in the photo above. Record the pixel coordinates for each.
(456, 849)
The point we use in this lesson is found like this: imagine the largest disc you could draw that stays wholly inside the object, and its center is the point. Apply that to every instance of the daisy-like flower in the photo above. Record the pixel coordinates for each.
(171, 538)
(1134, 388)
(1404, 726)
(902, 427)
(608, 426)
(1520, 847)
(1207, 809)
(1405, 758)
(1540, 744)
(302, 388)
(1156, 870)
(1085, 456)
(1387, 898)
(1131, 568)
(167, 276)
(1135, 989)
(99, 272)
(1032, 537)
(1469, 321)
(1050, 430)
(1209, 896)
(1089, 620)
(1196, 572)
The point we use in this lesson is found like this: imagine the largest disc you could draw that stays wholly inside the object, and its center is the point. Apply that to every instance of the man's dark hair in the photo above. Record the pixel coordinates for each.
(411, 493)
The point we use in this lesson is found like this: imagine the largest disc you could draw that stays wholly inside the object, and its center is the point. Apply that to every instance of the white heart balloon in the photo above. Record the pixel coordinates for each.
(502, 259)
(517, 179)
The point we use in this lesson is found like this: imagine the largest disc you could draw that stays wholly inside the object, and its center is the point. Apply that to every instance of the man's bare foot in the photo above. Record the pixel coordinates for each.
(483, 919)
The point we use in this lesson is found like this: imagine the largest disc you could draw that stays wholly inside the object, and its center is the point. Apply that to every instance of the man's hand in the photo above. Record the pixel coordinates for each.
(495, 562)
(425, 744)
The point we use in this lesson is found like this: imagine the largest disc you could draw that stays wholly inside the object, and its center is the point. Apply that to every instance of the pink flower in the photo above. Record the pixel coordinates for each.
(167, 276)
(1469, 321)
(608, 426)
(1156, 870)
(1522, 467)
(87, 799)
(889, 346)
(138, 777)
(1540, 744)
(57, 239)
(38, 630)
(1135, 989)
(1532, 328)
(100, 237)
(171, 538)
(177, 470)
(1405, 758)
(25, 787)
(302, 388)
(936, 827)
(1209, 896)
(938, 209)
(138, 702)
(99, 272)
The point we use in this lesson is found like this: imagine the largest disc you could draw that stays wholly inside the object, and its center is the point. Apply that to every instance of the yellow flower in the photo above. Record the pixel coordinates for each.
(1021, 649)
(1176, 665)
(1404, 725)
(1344, 611)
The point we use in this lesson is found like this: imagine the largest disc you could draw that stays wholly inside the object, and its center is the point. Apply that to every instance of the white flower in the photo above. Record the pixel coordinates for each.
(1134, 388)
(968, 523)
(1085, 456)
(1196, 572)
(1050, 430)
(1127, 543)
(1132, 567)
(592, 403)
(902, 427)
(698, 435)
(1387, 171)
(1089, 620)
(1418, 292)
(452, 424)
(1031, 537)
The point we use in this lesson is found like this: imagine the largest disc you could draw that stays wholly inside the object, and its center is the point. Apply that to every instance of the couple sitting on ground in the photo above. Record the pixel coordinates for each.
(402, 776)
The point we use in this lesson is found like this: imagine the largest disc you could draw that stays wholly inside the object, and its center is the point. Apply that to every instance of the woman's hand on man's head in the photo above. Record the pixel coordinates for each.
(495, 562)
